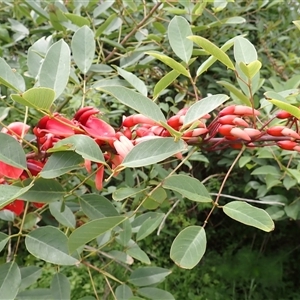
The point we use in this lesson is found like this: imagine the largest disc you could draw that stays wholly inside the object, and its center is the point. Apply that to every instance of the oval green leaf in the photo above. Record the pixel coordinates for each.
(3, 240)
(152, 151)
(188, 187)
(244, 51)
(212, 49)
(148, 275)
(164, 82)
(136, 101)
(51, 245)
(204, 106)
(10, 280)
(91, 230)
(55, 69)
(189, 247)
(60, 287)
(29, 276)
(65, 217)
(83, 47)
(155, 293)
(149, 226)
(178, 31)
(293, 110)
(123, 292)
(9, 193)
(249, 215)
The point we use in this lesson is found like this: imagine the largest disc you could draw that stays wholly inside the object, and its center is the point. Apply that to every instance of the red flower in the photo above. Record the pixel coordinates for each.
(16, 206)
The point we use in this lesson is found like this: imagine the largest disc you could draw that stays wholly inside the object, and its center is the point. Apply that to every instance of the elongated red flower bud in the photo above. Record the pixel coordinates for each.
(245, 111)
(291, 133)
(287, 145)
(233, 120)
(252, 132)
(283, 115)
(137, 119)
(276, 130)
(174, 122)
(240, 133)
(229, 110)
(225, 129)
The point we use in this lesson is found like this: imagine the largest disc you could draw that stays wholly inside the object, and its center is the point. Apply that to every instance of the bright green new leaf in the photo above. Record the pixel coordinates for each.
(60, 163)
(293, 110)
(155, 293)
(152, 151)
(9, 78)
(204, 106)
(297, 24)
(105, 24)
(213, 50)
(96, 206)
(91, 230)
(83, 47)
(82, 145)
(137, 83)
(149, 226)
(60, 287)
(123, 292)
(251, 69)
(44, 191)
(178, 31)
(39, 98)
(164, 82)
(188, 187)
(244, 51)
(11, 152)
(148, 276)
(78, 20)
(10, 280)
(55, 69)
(29, 276)
(249, 215)
(211, 60)
(135, 101)
(3, 240)
(235, 91)
(189, 247)
(170, 62)
(9, 193)
(65, 217)
(51, 245)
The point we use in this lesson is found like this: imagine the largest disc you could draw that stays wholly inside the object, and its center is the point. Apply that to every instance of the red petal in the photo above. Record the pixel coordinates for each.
(10, 171)
(99, 178)
(99, 129)
(16, 206)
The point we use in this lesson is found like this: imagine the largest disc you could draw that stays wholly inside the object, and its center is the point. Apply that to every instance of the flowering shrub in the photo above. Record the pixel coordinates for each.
(63, 165)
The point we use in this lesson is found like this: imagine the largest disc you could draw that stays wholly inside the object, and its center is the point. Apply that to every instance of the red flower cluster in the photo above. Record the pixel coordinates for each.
(236, 124)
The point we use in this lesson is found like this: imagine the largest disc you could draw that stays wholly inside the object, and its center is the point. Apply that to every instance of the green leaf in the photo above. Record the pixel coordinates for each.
(136, 252)
(170, 62)
(164, 82)
(105, 24)
(36, 294)
(11, 152)
(126, 192)
(149, 226)
(9, 78)
(9, 193)
(39, 98)
(293, 110)
(78, 20)
(29, 276)
(51, 245)
(155, 293)
(91, 230)
(148, 276)
(297, 24)
(188, 187)
(235, 91)
(266, 170)
(156, 198)
(125, 233)
(65, 217)
(249, 215)
(10, 280)
(60, 163)
(55, 69)
(204, 106)
(123, 292)
(211, 60)
(244, 51)
(251, 69)
(60, 287)
(135, 101)
(35, 6)
(212, 49)
(152, 151)
(44, 191)
(189, 247)
(97, 206)
(83, 47)
(178, 31)
(81, 144)
(3, 240)
(137, 83)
